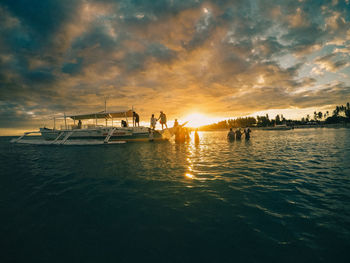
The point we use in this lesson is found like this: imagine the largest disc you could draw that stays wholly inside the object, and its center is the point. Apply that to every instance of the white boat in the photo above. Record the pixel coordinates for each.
(93, 133)
(278, 127)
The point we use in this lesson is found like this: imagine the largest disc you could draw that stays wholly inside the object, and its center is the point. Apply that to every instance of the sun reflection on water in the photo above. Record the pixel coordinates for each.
(191, 150)
(188, 175)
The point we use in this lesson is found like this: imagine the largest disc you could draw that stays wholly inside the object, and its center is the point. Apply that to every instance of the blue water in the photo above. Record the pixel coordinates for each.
(283, 196)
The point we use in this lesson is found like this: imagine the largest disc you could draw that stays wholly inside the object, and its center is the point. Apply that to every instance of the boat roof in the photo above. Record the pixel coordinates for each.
(102, 115)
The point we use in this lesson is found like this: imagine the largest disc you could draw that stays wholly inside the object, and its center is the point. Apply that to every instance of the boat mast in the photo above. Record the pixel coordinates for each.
(106, 109)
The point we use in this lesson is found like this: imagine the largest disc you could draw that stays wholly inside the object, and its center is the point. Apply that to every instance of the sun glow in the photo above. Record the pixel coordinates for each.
(196, 120)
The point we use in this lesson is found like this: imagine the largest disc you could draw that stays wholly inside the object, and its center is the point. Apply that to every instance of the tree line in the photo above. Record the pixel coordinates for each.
(340, 114)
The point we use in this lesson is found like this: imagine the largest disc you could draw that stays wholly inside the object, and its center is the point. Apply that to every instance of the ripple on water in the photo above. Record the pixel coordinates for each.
(260, 200)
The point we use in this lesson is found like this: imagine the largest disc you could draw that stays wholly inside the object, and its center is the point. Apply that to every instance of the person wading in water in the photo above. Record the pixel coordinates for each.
(231, 135)
(247, 132)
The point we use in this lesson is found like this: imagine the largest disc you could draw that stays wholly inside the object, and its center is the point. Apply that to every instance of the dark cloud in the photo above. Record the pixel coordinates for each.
(140, 11)
(42, 18)
(73, 68)
(67, 55)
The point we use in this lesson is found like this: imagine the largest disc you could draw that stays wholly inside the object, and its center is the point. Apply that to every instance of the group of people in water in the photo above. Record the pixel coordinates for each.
(237, 135)
(182, 134)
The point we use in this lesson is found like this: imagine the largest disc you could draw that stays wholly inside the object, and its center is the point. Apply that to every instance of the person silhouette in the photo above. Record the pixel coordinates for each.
(238, 134)
(136, 118)
(231, 135)
(162, 118)
(153, 122)
(247, 132)
(196, 136)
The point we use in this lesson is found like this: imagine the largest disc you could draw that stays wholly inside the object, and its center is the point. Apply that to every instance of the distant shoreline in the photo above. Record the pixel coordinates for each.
(307, 126)
(333, 125)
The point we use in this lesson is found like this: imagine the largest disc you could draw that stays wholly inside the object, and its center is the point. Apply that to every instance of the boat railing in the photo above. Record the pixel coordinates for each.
(87, 127)
(76, 127)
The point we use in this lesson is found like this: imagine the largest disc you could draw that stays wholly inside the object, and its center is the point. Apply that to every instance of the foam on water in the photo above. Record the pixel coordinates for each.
(283, 196)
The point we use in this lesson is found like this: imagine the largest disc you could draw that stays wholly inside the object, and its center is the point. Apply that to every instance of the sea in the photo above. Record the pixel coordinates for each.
(282, 196)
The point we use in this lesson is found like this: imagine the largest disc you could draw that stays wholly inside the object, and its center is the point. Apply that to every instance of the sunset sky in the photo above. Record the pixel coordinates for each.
(220, 59)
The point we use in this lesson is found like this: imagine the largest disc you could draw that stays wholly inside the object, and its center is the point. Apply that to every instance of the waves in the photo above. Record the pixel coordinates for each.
(258, 200)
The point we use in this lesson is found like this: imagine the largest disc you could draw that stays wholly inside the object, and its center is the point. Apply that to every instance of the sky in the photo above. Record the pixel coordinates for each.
(220, 59)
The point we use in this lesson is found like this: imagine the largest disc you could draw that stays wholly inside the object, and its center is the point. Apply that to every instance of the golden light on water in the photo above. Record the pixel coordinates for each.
(188, 175)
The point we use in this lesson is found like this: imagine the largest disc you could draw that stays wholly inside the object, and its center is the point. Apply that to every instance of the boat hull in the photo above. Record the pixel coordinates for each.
(120, 134)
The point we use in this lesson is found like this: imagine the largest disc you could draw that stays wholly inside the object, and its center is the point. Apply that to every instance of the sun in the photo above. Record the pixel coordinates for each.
(196, 120)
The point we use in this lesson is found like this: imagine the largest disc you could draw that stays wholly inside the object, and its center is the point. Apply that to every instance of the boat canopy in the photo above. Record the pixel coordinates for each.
(103, 115)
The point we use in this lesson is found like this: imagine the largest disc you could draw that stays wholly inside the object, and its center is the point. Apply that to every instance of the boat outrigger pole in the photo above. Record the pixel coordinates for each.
(106, 108)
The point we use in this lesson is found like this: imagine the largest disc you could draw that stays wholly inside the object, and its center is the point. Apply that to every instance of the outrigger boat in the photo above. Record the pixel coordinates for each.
(96, 134)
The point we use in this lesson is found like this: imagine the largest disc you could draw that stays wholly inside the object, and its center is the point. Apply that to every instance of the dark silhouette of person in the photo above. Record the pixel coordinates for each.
(162, 118)
(231, 135)
(153, 122)
(247, 132)
(136, 119)
(124, 124)
(79, 124)
(238, 134)
(176, 123)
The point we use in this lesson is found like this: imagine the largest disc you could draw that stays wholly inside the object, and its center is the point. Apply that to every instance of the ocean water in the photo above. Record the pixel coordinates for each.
(283, 196)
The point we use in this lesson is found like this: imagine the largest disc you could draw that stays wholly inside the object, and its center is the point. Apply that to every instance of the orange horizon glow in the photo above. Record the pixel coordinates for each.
(196, 120)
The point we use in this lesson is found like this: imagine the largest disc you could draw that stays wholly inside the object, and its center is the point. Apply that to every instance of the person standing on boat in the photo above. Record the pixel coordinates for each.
(153, 122)
(162, 118)
(79, 124)
(136, 118)
(231, 135)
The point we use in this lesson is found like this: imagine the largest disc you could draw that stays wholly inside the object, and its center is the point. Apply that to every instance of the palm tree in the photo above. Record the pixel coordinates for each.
(336, 111)
(347, 110)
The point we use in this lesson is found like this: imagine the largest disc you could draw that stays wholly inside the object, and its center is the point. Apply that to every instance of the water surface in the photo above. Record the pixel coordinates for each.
(283, 196)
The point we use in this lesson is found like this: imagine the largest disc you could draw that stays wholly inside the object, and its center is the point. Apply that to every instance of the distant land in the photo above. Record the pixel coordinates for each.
(340, 118)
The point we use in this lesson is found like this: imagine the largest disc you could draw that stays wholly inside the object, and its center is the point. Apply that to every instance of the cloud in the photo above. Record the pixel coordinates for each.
(330, 63)
(218, 57)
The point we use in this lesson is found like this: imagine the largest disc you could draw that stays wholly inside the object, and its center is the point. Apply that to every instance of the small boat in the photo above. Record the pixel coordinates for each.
(96, 134)
(280, 127)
